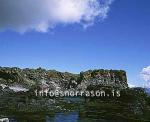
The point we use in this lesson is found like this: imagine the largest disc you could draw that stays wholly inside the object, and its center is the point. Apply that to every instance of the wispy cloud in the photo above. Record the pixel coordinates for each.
(40, 15)
(145, 74)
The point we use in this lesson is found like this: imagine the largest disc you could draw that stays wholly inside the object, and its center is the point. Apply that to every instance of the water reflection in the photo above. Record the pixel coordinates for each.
(64, 117)
(73, 117)
(58, 117)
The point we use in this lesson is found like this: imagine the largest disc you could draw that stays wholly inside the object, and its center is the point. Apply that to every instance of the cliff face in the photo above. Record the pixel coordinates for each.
(28, 78)
(113, 78)
(133, 103)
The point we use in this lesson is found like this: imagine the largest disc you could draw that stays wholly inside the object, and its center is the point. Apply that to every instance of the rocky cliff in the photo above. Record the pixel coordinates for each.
(17, 78)
(133, 105)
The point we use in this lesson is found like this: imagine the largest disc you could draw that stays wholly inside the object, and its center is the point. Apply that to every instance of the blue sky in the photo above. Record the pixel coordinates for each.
(120, 41)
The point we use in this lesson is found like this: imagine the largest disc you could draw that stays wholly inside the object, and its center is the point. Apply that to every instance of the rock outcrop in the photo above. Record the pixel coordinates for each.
(132, 104)
(111, 78)
(27, 78)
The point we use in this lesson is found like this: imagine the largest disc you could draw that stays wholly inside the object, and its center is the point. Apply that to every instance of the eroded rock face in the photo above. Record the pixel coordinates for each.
(27, 78)
(113, 78)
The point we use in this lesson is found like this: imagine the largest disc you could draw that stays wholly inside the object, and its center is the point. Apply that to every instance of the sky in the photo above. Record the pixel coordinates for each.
(76, 36)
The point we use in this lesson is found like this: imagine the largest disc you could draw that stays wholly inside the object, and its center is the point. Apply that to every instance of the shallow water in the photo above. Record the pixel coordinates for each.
(71, 117)
(62, 117)
(59, 117)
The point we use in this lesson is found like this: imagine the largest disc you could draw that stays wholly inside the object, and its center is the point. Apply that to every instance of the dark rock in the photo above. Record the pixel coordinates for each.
(64, 80)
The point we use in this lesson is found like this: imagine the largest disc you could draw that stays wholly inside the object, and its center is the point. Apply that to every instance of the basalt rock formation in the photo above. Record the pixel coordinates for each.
(27, 78)
(133, 105)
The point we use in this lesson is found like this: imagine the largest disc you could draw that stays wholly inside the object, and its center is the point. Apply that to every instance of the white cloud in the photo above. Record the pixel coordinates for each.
(145, 73)
(40, 15)
(131, 85)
